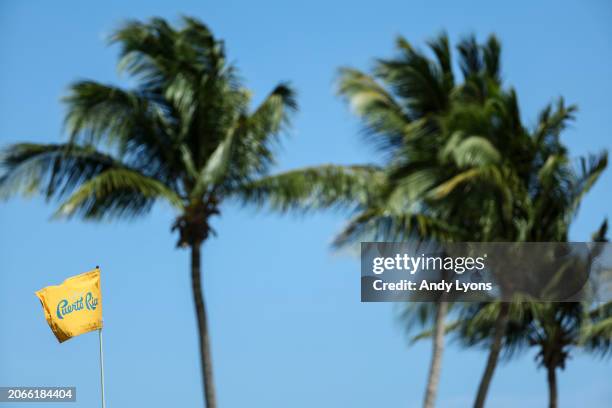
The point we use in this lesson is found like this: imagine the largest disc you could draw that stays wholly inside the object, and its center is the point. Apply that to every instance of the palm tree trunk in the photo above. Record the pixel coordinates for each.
(205, 355)
(552, 387)
(500, 327)
(436, 356)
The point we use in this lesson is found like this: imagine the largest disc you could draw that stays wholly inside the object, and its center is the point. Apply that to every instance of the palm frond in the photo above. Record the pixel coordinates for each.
(470, 57)
(53, 170)
(418, 81)
(552, 123)
(590, 170)
(216, 168)
(147, 50)
(491, 58)
(133, 125)
(384, 118)
(117, 193)
(428, 333)
(376, 224)
(316, 188)
(597, 338)
(257, 134)
(441, 48)
(475, 151)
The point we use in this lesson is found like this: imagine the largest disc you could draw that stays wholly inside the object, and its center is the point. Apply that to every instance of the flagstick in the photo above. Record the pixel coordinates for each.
(102, 368)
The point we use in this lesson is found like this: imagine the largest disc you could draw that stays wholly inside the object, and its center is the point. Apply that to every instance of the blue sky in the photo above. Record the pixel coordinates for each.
(287, 325)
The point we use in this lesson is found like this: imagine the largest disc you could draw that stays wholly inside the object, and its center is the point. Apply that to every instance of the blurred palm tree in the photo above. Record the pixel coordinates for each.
(546, 191)
(548, 198)
(555, 329)
(551, 193)
(444, 175)
(450, 156)
(184, 134)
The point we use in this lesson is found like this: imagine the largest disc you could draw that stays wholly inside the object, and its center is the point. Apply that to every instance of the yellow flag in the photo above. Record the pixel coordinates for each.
(75, 306)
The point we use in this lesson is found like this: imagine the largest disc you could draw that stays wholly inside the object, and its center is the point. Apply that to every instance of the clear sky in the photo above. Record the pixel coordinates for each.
(287, 326)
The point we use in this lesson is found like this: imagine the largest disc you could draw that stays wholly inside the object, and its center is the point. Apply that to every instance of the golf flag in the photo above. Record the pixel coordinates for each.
(75, 306)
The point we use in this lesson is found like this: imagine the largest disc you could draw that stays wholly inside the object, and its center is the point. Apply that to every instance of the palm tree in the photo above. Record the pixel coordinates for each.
(555, 329)
(547, 196)
(477, 194)
(558, 329)
(440, 140)
(445, 140)
(184, 134)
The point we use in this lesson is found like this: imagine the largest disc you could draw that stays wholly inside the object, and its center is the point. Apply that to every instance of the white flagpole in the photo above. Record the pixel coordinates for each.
(102, 368)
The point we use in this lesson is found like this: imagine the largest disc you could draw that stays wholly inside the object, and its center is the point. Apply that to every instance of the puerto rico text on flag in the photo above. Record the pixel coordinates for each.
(73, 307)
